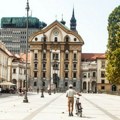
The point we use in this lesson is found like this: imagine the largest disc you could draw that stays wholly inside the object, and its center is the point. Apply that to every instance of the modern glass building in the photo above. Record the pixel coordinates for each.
(13, 32)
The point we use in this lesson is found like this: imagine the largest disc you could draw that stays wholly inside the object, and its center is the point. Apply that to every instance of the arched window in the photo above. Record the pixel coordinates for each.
(44, 38)
(55, 39)
(67, 38)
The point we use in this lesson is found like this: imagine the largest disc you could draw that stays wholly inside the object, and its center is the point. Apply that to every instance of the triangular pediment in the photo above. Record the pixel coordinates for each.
(51, 29)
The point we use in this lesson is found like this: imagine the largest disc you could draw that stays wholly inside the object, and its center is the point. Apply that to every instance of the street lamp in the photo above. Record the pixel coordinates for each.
(49, 87)
(42, 90)
(50, 72)
(25, 97)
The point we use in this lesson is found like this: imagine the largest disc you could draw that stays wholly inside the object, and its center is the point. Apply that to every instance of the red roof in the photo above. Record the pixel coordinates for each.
(23, 56)
(92, 56)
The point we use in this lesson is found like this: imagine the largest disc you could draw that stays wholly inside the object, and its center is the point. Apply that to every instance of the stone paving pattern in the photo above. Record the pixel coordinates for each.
(54, 107)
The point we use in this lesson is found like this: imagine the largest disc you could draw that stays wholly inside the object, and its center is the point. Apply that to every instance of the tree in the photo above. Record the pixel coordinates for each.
(113, 47)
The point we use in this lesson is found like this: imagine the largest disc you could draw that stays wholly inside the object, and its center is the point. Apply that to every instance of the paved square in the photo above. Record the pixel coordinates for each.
(54, 107)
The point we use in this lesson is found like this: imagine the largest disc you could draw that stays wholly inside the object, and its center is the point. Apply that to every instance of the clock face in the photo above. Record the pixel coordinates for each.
(56, 33)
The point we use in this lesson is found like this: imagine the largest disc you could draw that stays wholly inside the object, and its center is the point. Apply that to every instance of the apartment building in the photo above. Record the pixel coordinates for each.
(13, 32)
(5, 58)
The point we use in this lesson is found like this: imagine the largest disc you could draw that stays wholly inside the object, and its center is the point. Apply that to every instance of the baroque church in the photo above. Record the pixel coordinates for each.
(55, 56)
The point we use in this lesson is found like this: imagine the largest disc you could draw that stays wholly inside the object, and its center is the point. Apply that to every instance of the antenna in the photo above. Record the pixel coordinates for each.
(31, 13)
(56, 17)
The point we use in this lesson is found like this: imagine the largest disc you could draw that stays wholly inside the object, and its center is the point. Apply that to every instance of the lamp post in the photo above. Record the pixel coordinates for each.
(50, 71)
(25, 97)
(50, 87)
(42, 90)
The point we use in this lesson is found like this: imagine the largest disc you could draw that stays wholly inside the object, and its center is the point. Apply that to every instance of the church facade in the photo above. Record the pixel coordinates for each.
(55, 56)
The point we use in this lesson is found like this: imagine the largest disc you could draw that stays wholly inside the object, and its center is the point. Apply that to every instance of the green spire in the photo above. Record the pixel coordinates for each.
(73, 21)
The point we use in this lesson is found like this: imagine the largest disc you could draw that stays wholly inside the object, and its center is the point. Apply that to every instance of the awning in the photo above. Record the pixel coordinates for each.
(5, 83)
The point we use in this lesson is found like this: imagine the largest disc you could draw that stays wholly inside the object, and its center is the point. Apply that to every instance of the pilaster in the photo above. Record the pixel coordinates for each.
(61, 65)
(70, 64)
(31, 64)
(78, 64)
(48, 65)
(39, 67)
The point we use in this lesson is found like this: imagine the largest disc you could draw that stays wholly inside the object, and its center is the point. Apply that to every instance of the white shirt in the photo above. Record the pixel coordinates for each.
(70, 93)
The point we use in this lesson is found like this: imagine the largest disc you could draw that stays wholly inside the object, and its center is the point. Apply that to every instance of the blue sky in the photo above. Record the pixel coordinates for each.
(91, 16)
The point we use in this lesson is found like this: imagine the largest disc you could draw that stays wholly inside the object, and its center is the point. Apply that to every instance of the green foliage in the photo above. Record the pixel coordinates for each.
(113, 47)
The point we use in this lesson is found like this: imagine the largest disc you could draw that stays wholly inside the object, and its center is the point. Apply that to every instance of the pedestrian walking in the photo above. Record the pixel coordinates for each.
(20, 91)
(70, 95)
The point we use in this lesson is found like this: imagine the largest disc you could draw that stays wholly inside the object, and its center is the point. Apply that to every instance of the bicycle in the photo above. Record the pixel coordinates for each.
(78, 107)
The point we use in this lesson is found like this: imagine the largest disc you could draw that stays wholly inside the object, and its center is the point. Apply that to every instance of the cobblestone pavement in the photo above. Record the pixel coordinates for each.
(54, 107)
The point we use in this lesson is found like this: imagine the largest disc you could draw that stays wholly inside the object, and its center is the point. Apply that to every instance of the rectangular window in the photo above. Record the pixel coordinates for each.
(74, 66)
(55, 56)
(44, 75)
(35, 65)
(103, 87)
(35, 74)
(66, 66)
(55, 66)
(103, 64)
(14, 70)
(44, 55)
(35, 56)
(66, 75)
(66, 56)
(102, 74)
(35, 83)
(44, 66)
(74, 75)
(75, 56)
(102, 81)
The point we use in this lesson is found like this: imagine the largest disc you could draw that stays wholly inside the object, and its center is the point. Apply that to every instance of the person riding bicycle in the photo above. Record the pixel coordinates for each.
(70, 95)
